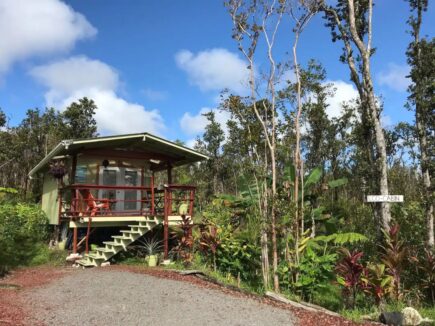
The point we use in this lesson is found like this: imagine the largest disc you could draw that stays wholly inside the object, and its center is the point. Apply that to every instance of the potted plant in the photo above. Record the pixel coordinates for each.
(58, 170)
(151, 247)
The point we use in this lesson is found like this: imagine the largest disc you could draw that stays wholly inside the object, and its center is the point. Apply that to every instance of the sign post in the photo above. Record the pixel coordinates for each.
(385, 198)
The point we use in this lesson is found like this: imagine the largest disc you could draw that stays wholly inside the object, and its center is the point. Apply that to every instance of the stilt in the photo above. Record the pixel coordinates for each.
(166, 225)
(75, 240)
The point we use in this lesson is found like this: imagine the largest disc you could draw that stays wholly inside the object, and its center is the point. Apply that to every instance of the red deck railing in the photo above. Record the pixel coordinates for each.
(90, 200)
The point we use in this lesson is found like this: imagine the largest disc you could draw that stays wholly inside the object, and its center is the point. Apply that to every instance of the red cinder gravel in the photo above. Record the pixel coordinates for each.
(13, 311)
(306, 318)
(12, 287)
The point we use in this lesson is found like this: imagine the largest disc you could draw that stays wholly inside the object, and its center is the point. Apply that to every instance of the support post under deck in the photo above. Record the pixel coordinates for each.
(166, 224)
(75, 240)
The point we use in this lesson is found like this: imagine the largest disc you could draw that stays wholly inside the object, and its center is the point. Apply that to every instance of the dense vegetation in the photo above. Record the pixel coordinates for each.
(283, 198)
(281, 204)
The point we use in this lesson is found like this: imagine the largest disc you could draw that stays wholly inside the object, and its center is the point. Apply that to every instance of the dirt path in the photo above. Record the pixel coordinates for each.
(111, 297)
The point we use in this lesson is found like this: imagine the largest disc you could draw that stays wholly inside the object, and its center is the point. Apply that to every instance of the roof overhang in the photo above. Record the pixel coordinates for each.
(173, 154)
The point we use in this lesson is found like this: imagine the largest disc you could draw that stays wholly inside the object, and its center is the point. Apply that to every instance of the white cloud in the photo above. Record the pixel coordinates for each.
(76, 73)
(195, 124)
(154, 95)
(71, 79)
(214, 69)
(386, 121)
(288, 76)
(344, 92)
(394, 77)
(191, 143)
(32, 28)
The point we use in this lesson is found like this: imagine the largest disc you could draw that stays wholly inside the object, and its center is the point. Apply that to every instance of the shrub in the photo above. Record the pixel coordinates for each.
(377, 283)
(426, 270)
(22, 226)
(349, 271)
(313, 272)
(394, 258)
(238, 258)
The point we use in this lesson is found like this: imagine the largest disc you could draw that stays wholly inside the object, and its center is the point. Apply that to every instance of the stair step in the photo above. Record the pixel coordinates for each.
(139, 226)
(130, 231)
(111, 243)
(119, 243)
(104, 249)
(149, 222)
(120, 237)
(86, 263)
(94, 256)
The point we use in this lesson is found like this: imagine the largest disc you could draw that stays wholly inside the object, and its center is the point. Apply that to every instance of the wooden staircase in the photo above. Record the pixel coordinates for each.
(119, 243)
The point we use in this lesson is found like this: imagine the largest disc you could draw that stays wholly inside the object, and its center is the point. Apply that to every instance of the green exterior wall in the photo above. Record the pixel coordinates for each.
(50, 203)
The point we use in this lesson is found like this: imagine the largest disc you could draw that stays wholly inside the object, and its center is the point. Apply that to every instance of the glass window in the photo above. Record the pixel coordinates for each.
(81, 172)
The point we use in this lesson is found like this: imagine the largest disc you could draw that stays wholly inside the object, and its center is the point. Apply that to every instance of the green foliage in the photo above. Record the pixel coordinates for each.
(340, 239)
(426, 270)
(377, 283)
(22, 226)
(8, 194)
(313, 270)
(148, 246)
(79, 121)
(48, 256)
(337, 183)
(238, 258)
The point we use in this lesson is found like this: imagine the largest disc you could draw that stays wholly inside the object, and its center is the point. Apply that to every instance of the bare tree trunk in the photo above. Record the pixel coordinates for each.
(373, 109)
(310, 8)
(265, 259)
(366, 93)
(421, 125)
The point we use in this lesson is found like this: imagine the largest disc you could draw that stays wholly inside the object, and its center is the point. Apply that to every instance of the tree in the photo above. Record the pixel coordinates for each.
(351, 22)
(2, 118)
(421, 58)
(211, 143)
(79, 121)
(252, 20)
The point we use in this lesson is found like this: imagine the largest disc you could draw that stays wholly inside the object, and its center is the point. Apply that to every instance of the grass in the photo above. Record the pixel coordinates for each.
(46, 256)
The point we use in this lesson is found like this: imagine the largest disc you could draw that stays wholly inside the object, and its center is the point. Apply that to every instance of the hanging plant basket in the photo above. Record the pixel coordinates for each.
(57, 169)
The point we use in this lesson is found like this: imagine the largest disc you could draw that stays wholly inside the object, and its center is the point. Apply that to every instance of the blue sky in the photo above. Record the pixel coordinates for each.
(156, 65)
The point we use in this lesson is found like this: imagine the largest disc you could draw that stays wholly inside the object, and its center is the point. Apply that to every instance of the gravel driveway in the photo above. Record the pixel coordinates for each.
(108, 297)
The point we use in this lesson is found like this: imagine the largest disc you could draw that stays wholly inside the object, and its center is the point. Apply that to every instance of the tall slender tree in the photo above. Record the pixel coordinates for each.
(421, 58)
(253, 20)
(351, 23)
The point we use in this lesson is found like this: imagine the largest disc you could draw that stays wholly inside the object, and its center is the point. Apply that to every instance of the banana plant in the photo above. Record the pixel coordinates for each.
(313, 212)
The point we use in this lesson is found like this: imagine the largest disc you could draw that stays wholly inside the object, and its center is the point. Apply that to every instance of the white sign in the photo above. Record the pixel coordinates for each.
(385, 198)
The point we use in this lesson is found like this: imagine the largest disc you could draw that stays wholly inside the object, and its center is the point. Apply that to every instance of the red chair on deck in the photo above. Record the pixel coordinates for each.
(95, 205)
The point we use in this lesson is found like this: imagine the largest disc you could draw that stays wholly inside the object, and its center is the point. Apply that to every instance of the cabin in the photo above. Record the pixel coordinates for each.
(122, 181)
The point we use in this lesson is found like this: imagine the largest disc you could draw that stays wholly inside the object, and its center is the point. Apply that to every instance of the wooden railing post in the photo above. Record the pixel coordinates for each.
(166, 223)
(192, 198)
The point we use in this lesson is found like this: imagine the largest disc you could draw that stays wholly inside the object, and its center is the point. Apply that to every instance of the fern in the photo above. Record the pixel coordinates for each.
(341, 238)
(8, 190)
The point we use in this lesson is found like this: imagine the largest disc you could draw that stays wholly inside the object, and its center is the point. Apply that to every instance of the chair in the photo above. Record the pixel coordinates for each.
(93, 206)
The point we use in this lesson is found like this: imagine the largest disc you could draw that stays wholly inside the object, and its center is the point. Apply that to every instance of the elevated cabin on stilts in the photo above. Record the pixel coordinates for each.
(111, 182)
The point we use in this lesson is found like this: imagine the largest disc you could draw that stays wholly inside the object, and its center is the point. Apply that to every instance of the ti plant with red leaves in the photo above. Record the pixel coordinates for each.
(209, 241)
(377, 283)
(426, 266)
(349, 271)
(185, 240)
(394, 258)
